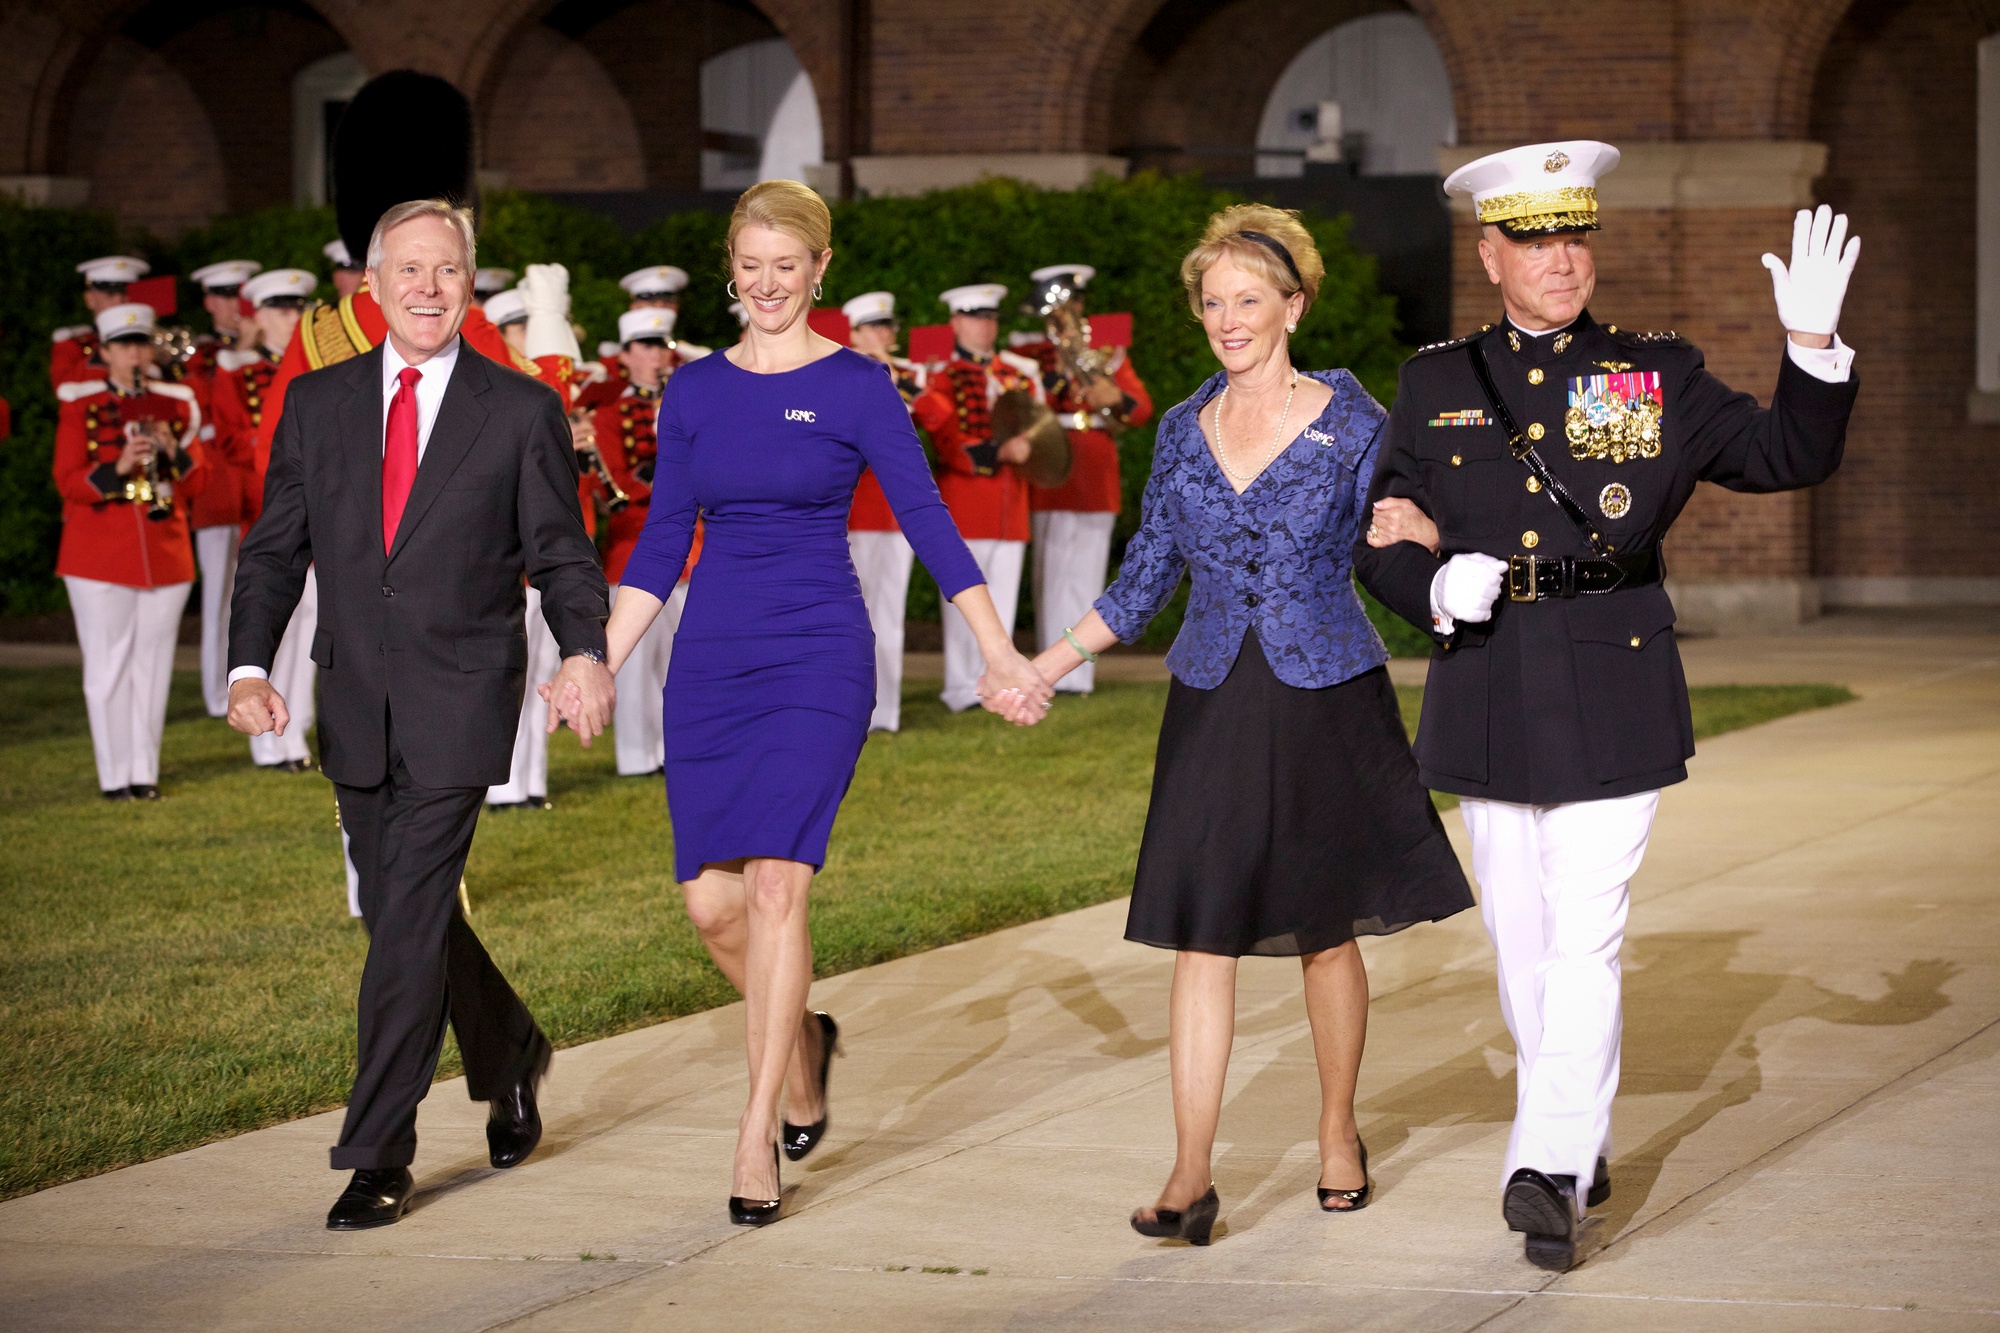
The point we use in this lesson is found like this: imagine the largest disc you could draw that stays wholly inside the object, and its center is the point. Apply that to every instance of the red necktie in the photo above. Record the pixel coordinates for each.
(399, 453)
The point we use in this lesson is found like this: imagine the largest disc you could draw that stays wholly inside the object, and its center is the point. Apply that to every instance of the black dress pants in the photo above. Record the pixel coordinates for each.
(425, 965)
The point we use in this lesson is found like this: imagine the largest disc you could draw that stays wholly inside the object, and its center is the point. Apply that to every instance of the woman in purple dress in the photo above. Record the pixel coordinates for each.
(773, 673)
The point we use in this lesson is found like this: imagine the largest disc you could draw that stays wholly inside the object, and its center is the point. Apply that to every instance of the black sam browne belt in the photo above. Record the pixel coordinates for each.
(1530, 578)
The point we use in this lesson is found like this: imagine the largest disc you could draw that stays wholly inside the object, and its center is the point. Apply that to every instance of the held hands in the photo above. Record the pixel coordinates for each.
(1398, 520)
(1468, 586)
(1810, 291)
(1013, 689)
(582, 694)
(255, 708)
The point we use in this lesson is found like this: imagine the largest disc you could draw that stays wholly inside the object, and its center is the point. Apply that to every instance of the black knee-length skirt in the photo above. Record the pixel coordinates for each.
(1285, 820)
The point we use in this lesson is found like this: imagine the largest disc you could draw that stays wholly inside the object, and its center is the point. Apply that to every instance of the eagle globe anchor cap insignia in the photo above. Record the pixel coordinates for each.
(1538, 189)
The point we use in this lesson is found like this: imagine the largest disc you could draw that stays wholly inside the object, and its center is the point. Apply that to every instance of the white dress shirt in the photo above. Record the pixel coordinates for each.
(436, 374)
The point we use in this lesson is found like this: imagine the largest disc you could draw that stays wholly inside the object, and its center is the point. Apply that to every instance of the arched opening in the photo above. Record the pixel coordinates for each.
(1371, 95)
(320, 92)
(759, 117)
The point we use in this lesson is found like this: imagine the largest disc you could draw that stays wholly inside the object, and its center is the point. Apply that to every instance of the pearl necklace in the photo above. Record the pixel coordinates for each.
(1222, 450)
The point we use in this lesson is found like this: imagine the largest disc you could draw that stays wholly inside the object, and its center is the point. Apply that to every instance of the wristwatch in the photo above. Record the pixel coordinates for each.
(594, 654)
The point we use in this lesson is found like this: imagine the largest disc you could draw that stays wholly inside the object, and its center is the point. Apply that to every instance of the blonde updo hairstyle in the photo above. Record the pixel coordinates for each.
(786, 206)
(1224, 238)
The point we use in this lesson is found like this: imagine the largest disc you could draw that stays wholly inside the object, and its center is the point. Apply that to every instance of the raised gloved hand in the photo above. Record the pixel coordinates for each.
(1466, 588)
(544, 291)
(1810, 291)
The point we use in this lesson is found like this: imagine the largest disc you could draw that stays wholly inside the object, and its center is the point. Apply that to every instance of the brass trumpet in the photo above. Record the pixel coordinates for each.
(593, 462)
(152, 485)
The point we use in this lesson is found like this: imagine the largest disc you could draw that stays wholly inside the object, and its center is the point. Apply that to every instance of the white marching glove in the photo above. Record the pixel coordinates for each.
(1466, 589)
(1810, 291)
(544, 291)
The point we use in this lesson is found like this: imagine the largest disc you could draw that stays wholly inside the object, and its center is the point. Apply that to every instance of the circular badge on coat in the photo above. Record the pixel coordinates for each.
(1615, 500)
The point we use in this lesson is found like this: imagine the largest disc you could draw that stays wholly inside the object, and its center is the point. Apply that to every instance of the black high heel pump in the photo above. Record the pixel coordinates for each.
(1191, 1224)
(798, 1140)
(1356, 1199)
(758, 1212)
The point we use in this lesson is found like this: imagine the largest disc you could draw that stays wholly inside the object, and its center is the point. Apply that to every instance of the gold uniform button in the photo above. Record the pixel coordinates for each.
(1457, 459)
(1531, 539)
(1635, 641)
(1535, 375)
(1535, 431)
(1534, 485)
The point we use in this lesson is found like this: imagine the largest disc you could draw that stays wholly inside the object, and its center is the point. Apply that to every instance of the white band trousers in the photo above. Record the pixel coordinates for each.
(530, 775)
(635, 720)
(215, 553)
(1001, 563)
(292, 676)
(1072, 553)
(127, 636)
(882, 562)
(1553, 893)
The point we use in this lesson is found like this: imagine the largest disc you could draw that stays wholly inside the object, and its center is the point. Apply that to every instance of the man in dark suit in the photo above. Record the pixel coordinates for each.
(423, 481)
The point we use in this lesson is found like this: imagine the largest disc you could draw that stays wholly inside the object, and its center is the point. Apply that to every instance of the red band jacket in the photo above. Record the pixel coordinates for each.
(956, 409)
(106, 536)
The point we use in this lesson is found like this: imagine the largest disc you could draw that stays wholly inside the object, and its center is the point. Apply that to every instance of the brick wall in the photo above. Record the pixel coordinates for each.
(555, 120)
(142, 138)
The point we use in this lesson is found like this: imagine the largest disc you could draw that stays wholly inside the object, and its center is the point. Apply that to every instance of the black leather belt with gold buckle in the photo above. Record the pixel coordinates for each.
(1530, 578)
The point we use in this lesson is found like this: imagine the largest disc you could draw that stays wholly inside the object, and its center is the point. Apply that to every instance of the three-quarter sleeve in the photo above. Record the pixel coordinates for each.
(656, 562)
(889, 443)
(1153, 562)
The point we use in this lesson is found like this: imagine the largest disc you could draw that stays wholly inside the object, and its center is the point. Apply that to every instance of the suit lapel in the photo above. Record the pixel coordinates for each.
(459, 419)
(361, 426)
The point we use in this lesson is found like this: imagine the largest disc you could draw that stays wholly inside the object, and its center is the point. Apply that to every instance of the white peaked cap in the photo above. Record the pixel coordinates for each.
(492, 279)
(870, 308)
(657, 280)
(607, 350)
(505, 307)
(114, 268)
(228, 273)
(123, 321)
(1537, 189)
(742, 315)
(1078, 274)
(979, 296)
(654, 323)
(336, 250)
(280, 282)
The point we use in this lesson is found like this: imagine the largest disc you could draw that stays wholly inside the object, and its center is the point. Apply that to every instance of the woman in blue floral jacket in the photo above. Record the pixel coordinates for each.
(1286, 815)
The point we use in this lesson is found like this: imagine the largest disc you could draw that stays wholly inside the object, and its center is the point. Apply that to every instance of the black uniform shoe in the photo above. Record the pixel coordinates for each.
(1545, 1208)
(121, 794)
(294, 766)
(532, 803)
(513, 1121)
(144, 791)
(372, 1199)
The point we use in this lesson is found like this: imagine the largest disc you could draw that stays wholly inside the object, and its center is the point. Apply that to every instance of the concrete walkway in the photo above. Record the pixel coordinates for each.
(1806, 1132)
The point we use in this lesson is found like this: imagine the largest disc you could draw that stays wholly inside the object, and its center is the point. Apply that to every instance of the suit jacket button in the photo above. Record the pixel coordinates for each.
(1249, 599)
(1535, 375)
(388, 591)
(1531, 539)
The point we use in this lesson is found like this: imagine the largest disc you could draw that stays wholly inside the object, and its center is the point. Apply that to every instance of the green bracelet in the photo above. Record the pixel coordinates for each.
(1076, 643)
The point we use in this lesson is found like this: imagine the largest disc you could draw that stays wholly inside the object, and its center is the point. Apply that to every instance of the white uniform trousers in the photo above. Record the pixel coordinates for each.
(127, 636)
(215, 552)
(530, 776)
(292, 676)
(1552, 882)
(1072, 552)
(635, 721)
(882, 563)
(1000, 562)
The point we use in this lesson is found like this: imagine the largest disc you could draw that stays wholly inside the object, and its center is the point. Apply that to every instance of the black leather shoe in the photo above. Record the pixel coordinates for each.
(1192, 1224)
(120, 794)
(144, 791)
(1600, 1187)
(759, 1212)
(798, 1140)
(372, 1199)
(513, 1121)
(1545, 1208)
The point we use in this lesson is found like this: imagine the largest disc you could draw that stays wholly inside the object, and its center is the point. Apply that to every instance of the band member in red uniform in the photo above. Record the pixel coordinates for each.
(624, 433)
(488, 282)
(217, 513)
(347, 271)
(1072, 522)
(242, 398)
(875, 541)
(73, 350)
(980, 477)
(126, 463)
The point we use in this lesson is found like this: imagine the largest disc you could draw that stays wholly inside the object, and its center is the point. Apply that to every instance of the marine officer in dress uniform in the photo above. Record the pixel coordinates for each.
(73, 350)
(979, 477)
(1551, 454)
(1072, 522)
(881, 553)
(217, 513)
(127, 461)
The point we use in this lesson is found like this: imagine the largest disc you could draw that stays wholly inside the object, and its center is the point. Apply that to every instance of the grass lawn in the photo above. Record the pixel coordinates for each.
(178, 972)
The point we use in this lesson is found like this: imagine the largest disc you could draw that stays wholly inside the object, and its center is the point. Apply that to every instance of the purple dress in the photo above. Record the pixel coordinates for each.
(772, 678)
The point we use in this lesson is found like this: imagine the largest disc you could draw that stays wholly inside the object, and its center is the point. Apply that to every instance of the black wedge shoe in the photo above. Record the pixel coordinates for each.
(1356, 1199)
(1544, 1207)
(758, 1212)
(1191, 1224)
(798, 1140)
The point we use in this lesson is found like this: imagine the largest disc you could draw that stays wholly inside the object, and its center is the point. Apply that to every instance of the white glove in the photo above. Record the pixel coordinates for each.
(1465, 589)
(544, 291)
(1810, 292)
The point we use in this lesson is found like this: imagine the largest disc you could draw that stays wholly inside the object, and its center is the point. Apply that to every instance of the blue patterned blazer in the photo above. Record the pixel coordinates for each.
(1277, 559)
